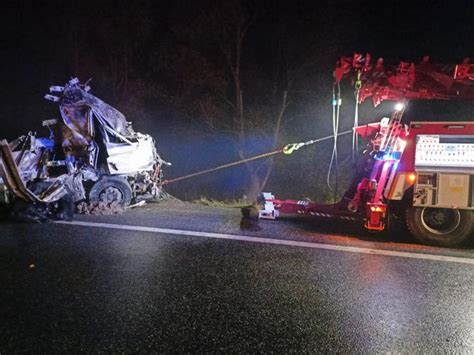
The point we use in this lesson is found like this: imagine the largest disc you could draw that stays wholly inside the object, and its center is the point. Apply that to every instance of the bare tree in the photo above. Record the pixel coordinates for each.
(231, 24)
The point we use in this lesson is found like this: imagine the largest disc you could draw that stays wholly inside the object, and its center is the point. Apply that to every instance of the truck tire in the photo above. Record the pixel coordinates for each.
(111, 189)
(444, 227)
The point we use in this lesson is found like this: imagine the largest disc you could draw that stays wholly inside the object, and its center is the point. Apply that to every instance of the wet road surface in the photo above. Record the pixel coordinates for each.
(90, 288)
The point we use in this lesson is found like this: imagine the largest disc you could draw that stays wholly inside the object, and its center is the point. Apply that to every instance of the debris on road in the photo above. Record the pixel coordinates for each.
(99, 208)
(138, 204)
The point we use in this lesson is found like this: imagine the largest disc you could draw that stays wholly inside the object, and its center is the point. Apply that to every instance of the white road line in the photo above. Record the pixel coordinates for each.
(293, 243)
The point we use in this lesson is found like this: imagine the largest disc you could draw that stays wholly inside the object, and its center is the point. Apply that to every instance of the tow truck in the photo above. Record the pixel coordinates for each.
(421, 174)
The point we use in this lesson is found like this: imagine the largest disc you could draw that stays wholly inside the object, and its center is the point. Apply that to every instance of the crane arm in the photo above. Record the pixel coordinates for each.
(407, 80)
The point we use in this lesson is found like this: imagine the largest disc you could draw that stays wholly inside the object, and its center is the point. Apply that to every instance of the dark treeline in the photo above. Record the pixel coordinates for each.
(215, 81)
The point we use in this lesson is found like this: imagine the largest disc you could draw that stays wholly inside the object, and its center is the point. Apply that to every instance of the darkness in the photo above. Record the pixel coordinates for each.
(163, 64)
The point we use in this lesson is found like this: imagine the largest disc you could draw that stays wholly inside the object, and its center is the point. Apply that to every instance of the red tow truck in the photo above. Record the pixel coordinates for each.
(421, 174)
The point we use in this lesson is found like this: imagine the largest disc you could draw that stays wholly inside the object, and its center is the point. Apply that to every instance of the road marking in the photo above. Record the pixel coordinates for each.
(293, 243)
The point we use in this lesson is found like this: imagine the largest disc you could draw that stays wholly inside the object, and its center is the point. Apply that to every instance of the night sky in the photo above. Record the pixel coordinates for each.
(160, 63)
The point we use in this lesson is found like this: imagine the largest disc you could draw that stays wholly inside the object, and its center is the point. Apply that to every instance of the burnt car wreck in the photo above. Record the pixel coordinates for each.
(92, 154)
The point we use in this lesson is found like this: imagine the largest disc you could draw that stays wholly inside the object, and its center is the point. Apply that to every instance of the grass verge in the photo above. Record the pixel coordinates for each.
(204, 201)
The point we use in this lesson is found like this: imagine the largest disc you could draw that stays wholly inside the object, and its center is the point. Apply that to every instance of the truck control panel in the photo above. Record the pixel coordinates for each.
(444, 152)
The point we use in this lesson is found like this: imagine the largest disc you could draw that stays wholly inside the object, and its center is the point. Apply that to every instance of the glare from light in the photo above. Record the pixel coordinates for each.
(402, 144)
(399, 106)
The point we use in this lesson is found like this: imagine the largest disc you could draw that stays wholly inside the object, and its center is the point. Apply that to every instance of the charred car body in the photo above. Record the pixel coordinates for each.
(92, 153)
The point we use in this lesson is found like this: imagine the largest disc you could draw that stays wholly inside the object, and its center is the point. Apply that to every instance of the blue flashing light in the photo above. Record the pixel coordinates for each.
(388, 156)
(396, 155)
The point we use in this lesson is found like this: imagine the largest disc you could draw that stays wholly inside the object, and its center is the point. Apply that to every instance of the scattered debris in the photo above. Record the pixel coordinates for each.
(99, 208)
(138, 204)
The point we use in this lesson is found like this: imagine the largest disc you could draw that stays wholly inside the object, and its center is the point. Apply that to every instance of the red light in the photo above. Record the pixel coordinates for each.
(376, 209)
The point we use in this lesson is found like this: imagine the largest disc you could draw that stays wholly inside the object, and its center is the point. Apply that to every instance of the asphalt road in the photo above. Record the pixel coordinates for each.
(130, 285)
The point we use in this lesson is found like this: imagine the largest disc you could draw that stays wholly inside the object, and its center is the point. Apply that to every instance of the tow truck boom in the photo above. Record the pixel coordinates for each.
(407, 80)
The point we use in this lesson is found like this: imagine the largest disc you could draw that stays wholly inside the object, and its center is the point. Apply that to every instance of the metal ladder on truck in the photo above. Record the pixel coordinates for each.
(388, 148)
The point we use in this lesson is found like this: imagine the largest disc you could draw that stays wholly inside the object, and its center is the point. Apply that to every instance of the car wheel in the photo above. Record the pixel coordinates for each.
(111, 189)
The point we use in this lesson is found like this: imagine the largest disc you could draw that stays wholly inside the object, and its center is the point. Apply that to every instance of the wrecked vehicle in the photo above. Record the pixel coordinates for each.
(92, 154)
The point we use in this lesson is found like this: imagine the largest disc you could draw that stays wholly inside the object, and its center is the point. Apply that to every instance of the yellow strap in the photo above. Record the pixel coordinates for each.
(290, 148)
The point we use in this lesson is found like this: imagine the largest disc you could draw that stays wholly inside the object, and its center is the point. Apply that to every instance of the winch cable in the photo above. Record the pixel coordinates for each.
(336, 105)
(287, 150)
(355, 138)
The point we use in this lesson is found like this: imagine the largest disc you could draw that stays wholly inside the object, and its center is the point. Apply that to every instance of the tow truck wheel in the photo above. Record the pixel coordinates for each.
(110, 189)
(446, 227)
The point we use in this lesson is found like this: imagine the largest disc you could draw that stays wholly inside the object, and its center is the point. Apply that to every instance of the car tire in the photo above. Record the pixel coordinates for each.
(111, 189)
